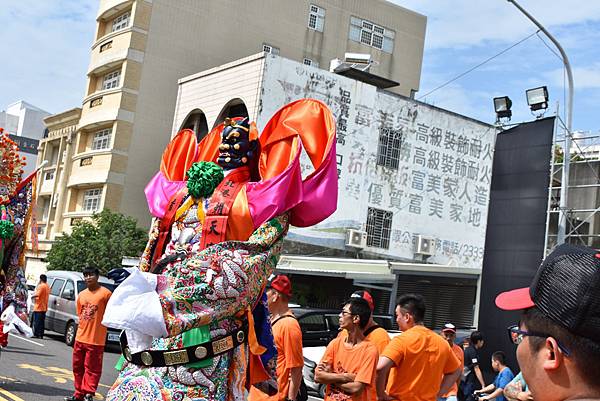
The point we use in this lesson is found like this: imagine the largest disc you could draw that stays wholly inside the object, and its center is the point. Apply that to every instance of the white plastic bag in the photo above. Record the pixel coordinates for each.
(14, 324)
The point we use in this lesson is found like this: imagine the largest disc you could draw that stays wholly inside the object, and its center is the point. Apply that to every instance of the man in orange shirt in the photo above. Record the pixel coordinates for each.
(348, 365)
(373, 332)
(88, 349)
(288, 341)
(449, 334)
(422, 364)
(40, 298)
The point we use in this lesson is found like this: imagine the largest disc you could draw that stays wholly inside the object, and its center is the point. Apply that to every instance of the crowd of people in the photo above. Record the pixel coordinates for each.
(557, 338)
(558, 343)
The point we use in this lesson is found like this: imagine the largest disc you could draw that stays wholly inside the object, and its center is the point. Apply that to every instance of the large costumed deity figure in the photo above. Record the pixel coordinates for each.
(17, 198)
(187, 314)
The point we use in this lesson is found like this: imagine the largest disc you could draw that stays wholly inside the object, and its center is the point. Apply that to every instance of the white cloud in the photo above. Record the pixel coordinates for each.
(583, 77)
(469, 23)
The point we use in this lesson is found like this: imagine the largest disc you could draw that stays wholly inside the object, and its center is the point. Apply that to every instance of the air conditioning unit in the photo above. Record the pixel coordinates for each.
(425, 245)
(358, 58)
(356, 238)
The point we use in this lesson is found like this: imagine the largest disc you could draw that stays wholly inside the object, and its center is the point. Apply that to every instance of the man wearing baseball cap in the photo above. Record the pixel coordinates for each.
(373, 332)
(559, 334)
(449, 334)
(288, 341)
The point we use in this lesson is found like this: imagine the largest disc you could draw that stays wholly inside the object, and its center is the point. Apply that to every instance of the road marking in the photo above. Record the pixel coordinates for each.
(10, 395)
(26, 339)
(60, 375)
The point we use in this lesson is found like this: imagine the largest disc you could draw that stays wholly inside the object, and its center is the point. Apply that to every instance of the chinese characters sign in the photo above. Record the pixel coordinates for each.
(430, 168)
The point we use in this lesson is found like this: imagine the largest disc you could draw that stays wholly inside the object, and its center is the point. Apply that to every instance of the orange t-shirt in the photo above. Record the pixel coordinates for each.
(421, 357)
(288, 341)
(380, 339)
(460, 354)
(42, 293)
(90, 309)
(360, 360)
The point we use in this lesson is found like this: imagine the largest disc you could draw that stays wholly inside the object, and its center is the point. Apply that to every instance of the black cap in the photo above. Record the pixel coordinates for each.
(566, 289)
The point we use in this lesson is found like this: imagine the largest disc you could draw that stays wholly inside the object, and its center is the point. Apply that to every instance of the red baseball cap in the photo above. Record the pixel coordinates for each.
(364, 295)
(281, 284)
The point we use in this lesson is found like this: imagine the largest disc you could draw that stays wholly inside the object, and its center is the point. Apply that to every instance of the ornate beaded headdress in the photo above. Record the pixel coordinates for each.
(11, 167)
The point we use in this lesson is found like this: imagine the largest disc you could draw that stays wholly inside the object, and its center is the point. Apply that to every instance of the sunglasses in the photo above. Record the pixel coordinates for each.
(517, 336)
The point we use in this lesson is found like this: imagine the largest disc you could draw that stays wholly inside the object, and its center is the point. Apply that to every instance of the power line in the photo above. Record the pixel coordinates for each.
(478, 65)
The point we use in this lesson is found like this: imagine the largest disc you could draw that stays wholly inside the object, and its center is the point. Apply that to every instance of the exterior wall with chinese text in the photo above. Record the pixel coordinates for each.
(439, 180)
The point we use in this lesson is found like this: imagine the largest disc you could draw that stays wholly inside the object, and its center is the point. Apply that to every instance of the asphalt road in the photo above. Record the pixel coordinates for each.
(40, 370)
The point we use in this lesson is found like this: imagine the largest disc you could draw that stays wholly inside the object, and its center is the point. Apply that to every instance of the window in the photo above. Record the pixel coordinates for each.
(310, 62)
(379, 227)
(370, 34)
(388, 150)
(111, 80)
(56, 286)
(68, 287)
(91, 200)
(270, 49)
(106, 46)
(316, 18)
(312, 323)
(101, 139)
(81, 285)
(49, 175)
(121, 22)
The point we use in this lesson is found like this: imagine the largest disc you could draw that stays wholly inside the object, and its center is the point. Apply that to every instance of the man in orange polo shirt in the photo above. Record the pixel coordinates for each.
(422, 364)
(348, 365)
(288, 341)
(373, 333)
(449, 334)
(88, 349)
(40, 306)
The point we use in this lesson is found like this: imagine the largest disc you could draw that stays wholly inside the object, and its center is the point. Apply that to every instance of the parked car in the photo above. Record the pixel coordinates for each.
(61, 317)
(320, 326)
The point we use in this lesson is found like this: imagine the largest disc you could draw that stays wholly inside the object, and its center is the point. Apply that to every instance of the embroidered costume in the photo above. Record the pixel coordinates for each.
(16, 199)
(216, 237)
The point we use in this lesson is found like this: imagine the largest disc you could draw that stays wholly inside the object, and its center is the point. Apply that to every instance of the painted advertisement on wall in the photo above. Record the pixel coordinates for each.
(405, 169)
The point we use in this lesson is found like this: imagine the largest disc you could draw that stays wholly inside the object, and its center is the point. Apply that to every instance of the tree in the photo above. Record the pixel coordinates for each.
(101, 243)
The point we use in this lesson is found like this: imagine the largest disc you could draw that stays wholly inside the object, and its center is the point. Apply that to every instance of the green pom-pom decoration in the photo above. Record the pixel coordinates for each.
(7, 229)
(203, 178)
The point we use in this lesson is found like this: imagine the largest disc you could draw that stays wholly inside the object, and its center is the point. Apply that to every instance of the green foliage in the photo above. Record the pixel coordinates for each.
(101, 243)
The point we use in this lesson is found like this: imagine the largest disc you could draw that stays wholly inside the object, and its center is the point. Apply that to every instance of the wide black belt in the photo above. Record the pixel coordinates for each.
(195, 353)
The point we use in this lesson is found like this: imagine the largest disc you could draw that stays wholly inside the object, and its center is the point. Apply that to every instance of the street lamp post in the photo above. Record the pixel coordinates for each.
(564, 193)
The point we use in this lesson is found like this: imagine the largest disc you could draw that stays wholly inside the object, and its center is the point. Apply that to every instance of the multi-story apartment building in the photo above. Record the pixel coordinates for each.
(142, 47)
(53, 195)
(24, 123)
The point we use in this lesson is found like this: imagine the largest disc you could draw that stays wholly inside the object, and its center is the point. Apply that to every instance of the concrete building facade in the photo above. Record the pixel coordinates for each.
(24, 123)
(414, 185)
(53, 194)
(141, 48)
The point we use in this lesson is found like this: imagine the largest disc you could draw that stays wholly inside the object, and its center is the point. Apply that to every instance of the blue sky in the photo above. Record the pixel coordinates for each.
(464, 33)
(46, 45)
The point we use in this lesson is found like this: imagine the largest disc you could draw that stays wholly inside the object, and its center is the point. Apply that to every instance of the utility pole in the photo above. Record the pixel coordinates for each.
(564, 185)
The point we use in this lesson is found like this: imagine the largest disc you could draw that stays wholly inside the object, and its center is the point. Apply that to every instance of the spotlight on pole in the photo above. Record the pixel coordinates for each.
(502, 107)
(537, 98)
